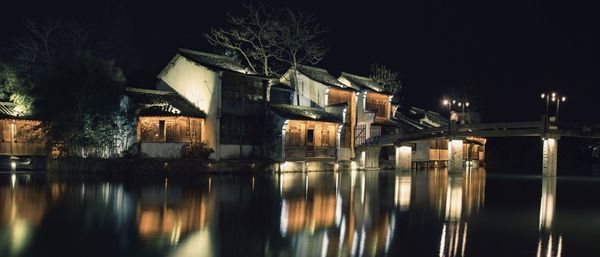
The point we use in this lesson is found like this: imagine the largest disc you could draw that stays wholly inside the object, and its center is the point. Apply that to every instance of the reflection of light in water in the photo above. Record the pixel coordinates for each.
(198, 244)
(402, 190)
(453, 241)
(389, 234)
(342, 232)
(547, 203)
(325, 245)
(454, 198)
(283, 220)
(464, 195)
(546, 243)
(362, 186)
(547, 248)
(338, 209)
(13, 180)
(20, 233)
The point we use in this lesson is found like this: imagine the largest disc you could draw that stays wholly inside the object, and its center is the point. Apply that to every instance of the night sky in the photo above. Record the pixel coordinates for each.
(508, 51)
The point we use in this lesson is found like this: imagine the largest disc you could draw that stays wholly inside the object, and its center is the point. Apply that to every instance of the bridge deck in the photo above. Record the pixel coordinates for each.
(487, 130)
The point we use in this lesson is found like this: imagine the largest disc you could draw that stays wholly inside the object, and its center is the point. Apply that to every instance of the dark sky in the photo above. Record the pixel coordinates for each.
(508, 51)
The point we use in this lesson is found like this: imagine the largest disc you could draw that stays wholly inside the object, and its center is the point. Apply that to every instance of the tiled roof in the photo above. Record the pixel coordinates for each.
(363, 82)
(8, 110)
(321, 75)
(163, 103)
(407, 122)
(214, 61)
(295, 112)
(385, 122)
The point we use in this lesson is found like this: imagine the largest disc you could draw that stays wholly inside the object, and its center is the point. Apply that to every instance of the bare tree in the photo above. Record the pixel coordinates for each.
(298, 39)
(251, 36)
(385, 77)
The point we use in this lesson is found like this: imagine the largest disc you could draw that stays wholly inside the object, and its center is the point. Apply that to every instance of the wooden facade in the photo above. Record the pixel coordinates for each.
(177, 129)
(379, 104)
(21, 138)
(310, 139)
(337, 96)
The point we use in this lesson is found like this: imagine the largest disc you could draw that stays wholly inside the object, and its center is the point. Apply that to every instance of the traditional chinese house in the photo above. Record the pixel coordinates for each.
(20, 135)
(167, 123)
(315, 87)
(374, 108)
(309, 134)
(229, 94)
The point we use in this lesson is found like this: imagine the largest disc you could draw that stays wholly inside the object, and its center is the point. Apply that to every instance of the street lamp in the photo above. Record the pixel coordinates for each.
(554, 97)
(448, 103)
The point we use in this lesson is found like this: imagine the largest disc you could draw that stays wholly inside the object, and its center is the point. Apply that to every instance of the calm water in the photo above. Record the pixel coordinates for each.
(426, 213)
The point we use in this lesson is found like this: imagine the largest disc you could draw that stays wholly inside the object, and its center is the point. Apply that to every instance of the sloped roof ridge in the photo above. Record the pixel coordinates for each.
(186, 50)
(148, 91)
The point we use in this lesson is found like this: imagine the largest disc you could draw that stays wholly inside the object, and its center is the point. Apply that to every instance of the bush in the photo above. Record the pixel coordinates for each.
(198, 150)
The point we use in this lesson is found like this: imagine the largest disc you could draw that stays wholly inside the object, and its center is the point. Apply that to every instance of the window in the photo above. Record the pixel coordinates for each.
(170, 131)
(161, 130)
(310, 136)
(324, 137)
(293, 136)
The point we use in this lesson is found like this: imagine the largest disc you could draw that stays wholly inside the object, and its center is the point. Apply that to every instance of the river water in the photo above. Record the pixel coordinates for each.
(424, 213)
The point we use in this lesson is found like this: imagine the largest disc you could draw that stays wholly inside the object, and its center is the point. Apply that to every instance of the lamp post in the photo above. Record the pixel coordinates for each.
(552, 97)
(448, 103)
(546, 96)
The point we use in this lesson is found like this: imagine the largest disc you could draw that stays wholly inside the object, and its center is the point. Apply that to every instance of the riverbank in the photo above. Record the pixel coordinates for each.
(154, 166)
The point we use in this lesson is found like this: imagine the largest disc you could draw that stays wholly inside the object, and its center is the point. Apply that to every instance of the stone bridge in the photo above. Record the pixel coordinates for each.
(550, 132)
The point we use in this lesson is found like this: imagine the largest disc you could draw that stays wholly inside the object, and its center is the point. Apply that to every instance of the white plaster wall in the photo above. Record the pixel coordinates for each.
(422, 151)
(162, 150)
(309, 89)
(202, 87)
(345, 153)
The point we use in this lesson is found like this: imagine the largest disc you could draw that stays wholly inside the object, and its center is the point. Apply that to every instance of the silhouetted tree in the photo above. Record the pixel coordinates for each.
(76, 95)
(385, 77)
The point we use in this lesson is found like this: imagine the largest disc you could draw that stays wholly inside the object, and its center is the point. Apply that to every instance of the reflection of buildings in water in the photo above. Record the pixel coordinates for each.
(21, 210)
(167, 214)
(547, 203)
(464, 197)
(402, 191)
(337, 214)
(453, 241)
(549, 244)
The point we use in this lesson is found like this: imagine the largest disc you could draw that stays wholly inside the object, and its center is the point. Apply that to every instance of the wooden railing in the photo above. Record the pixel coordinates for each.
(302, 152)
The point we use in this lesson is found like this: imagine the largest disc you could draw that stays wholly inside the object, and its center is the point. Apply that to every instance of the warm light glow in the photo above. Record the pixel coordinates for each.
(402, 192)
(543, 96)
(564, 98)
(459, 103)
(445, 102)
(453, 101)
(13, 165)
(553, 95)
(467, 104)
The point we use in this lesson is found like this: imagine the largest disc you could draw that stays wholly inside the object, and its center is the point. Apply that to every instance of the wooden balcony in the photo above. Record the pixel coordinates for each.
(298, 153)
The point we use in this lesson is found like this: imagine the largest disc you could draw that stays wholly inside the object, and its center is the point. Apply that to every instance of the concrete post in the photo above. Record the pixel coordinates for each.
(549, 156)
(372, 157)
(403, 158)
(455, 156)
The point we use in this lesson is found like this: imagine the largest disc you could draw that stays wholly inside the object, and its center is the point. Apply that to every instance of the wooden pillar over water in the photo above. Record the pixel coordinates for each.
(549, 155)
(455, 156)
(403, 158)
